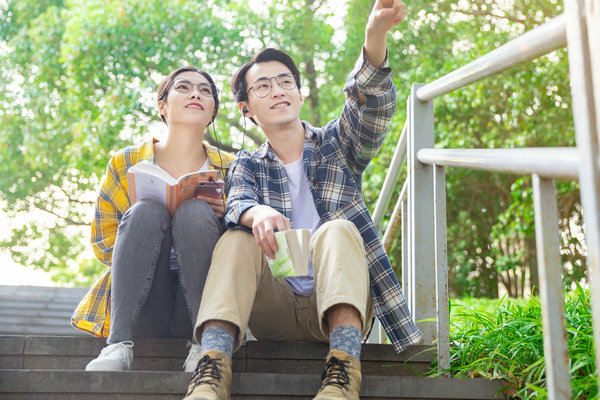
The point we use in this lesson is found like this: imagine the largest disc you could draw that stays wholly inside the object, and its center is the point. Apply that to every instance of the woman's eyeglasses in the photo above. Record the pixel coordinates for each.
(184, 86)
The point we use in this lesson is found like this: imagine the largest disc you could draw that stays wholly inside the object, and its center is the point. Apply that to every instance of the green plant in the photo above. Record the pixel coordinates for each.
(506, 342)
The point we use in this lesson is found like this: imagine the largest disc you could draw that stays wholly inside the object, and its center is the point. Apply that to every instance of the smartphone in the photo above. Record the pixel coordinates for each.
(210, 189)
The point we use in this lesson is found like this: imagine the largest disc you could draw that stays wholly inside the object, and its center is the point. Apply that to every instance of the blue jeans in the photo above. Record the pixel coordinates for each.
(147, 299)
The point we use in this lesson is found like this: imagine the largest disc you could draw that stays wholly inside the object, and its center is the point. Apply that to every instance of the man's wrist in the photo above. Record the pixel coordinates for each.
(247, 217)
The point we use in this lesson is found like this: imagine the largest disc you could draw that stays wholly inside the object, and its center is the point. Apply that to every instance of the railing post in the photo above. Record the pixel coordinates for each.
(421, 235)
(551, 289)
(441, 261)
(584, 66)
(405, 263)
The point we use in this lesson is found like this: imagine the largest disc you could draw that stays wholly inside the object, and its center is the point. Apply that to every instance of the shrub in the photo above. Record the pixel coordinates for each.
(504, 340)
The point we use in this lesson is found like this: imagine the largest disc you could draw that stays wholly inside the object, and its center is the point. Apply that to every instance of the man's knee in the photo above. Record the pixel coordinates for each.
(237, 244)
(337, 226)
(337, 233)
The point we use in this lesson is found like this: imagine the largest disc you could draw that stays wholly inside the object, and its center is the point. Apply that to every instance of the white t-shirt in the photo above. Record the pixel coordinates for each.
(304, 216)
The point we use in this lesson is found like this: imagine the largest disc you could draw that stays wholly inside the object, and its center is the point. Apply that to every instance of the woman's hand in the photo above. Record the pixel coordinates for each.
(217, 204)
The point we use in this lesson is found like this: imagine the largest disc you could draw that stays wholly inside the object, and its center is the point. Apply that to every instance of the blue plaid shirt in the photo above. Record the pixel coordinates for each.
(335, 157)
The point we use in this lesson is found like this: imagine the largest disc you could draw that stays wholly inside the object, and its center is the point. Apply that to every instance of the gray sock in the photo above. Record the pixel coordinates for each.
(346, 338)
(218, 338)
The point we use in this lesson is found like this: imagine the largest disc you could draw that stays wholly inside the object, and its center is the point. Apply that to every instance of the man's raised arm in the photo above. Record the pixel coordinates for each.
(385, 15)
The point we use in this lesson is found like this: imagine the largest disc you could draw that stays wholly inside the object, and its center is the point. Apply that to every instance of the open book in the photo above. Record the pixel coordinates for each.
(150, 181)
(291, 258)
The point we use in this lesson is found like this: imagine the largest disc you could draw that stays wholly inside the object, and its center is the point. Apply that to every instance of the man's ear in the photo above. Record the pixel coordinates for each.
(301, 97)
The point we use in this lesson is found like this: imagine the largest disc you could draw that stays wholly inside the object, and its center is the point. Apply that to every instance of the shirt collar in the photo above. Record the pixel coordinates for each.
(216, 159)
(267, 151)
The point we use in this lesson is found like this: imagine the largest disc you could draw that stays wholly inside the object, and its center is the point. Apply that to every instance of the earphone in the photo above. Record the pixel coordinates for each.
(244, 110)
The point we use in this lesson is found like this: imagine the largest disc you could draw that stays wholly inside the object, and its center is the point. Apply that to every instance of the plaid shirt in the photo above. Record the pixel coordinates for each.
(92, 315)
(335, 157)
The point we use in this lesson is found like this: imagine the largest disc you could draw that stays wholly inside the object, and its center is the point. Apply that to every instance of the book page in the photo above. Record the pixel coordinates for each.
(147, 181)
(149, 168)
(144, 186)
(187, 185)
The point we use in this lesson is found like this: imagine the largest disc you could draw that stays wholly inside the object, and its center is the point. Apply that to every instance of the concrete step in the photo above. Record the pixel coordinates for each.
(59, 304)
(42, 292)
(34, 310)
(35, 329)
(73, 353)
(29, 312)
(154, 385)
(51, 367)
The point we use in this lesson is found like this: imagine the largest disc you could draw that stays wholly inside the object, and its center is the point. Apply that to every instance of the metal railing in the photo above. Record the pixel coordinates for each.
(423, 195)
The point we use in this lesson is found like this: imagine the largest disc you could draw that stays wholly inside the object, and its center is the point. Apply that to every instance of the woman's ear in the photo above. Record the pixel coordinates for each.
(162, 108)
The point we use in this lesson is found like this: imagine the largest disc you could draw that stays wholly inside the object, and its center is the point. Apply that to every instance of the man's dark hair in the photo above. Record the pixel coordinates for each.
(239, 87)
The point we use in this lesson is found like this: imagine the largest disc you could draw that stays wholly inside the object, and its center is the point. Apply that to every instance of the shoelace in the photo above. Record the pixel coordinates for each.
(335, 373)
(207, 372)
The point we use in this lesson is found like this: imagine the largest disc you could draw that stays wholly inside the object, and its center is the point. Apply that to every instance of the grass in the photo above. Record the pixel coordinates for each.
(504, 340)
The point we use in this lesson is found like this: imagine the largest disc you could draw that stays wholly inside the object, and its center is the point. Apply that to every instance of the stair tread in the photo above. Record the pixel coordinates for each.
(33, 368)
(12, 291)
(164, 382)
(144, 347)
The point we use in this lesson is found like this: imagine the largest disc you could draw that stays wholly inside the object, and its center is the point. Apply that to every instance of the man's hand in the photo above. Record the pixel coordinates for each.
(264, 220)
(385, 15)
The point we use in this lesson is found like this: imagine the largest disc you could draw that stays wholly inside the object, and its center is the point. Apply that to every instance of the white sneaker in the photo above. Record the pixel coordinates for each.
(191, 362)
(114, 357)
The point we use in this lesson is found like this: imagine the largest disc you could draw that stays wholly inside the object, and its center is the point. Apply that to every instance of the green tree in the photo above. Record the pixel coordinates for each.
(78, 81)
(490, 216)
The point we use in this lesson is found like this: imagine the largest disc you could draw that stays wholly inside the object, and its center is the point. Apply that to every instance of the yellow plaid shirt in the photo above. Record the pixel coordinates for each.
(92, 315)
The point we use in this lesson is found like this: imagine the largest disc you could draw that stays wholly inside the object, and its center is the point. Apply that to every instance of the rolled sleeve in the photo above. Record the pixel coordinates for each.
(241, 189)
(369, 78)
(362, 128)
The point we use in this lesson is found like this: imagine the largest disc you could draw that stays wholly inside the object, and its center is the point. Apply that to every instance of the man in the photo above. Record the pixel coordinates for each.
(305, 177)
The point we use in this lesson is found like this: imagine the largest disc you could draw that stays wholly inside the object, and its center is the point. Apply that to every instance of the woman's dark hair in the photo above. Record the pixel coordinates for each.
(167, 83)
(239, 87)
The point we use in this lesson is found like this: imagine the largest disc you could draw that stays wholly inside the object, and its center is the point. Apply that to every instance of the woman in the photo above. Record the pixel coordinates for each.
(158, 263)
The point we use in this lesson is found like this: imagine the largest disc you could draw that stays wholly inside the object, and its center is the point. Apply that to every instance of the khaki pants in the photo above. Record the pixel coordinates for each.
(240, 288)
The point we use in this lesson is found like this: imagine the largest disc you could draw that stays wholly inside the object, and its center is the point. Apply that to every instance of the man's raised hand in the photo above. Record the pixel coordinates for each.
(386, 14)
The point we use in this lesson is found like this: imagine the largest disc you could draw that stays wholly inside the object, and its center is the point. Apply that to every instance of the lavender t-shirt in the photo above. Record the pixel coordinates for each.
(304, 216)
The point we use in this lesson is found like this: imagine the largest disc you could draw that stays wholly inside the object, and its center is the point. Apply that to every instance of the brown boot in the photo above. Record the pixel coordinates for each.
(341, 377)
(212, 378)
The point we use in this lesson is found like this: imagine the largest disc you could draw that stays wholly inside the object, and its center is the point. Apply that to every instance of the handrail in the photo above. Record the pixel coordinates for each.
(422, 202)
(529, 46)
(394, 223)
(549, 162)
(390, 179)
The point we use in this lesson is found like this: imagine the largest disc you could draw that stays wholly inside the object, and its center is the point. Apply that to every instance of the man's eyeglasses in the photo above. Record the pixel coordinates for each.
(262, 87)
(184, 86)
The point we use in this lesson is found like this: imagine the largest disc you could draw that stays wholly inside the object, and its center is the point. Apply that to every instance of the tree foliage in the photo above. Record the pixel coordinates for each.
(78, 81)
